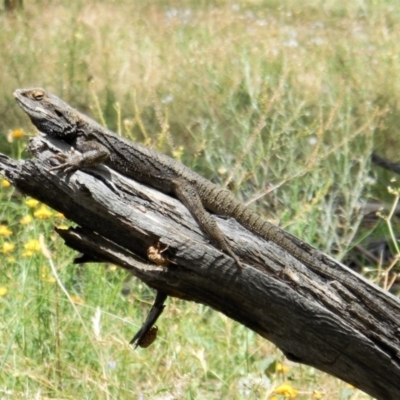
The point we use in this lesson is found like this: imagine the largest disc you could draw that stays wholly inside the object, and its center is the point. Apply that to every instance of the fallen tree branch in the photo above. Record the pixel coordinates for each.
(330, 318)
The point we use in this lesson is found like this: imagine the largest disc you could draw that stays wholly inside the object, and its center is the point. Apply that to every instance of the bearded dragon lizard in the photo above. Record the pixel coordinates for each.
(96, 144)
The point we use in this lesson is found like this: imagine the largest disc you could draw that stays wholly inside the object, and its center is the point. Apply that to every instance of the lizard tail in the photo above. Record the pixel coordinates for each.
(223, 203)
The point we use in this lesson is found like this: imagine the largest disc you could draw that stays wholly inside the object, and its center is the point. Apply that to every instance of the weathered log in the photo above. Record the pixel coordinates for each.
(330, 318)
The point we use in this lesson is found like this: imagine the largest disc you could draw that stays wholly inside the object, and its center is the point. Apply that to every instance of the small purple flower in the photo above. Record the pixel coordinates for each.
(112, 364)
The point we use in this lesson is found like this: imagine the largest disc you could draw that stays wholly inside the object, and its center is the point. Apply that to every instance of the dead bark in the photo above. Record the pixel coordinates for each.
(330, 318)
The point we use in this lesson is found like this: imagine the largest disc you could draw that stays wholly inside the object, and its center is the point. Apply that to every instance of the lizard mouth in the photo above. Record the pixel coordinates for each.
(40, 117)
(18, 94)
(21, 99)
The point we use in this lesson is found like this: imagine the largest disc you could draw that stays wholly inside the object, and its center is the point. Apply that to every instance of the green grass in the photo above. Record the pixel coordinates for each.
(282, 101)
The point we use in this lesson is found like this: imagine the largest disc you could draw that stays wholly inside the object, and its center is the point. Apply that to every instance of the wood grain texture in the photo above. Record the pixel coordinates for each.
(328, 317)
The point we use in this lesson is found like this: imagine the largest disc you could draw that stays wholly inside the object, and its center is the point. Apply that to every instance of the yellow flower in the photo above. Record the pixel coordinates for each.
(317, 395)
(3, 291)
(31, 203)
(11, 259)
(8, 247)
(5, 184)
(4, 231)
(46, 276)
(286, 391)
(281, 368)
(17, 133)
(25, 220)
(59, 215)
(43, 212)
(178, 152)
(77, 300)
(32, 244)
(222, 171)
(63, 227)
(31, 247)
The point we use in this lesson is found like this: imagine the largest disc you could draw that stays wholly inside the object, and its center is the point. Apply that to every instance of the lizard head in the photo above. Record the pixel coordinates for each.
(48, 113)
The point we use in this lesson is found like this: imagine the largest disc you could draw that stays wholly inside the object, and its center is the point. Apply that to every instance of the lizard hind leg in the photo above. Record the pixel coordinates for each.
(188, 195)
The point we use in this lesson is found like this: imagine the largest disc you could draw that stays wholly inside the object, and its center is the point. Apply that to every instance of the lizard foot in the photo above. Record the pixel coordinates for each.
(235, 258)
(69, 162)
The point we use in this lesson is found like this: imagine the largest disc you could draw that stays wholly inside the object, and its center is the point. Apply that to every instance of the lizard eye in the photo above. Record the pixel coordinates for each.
(38, 95)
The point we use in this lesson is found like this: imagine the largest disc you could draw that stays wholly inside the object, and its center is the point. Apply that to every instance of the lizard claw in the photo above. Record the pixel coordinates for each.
(70, 162)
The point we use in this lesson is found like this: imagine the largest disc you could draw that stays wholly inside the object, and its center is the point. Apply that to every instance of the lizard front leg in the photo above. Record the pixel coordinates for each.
(189, 196)
(91, 154)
